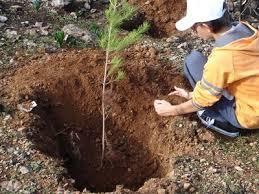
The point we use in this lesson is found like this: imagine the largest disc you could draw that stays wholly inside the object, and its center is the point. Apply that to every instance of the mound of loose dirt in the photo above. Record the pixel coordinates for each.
(68, 122)
(162, 14)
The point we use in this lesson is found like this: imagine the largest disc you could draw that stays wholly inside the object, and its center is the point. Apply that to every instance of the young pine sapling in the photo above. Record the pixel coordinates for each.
(112, 42)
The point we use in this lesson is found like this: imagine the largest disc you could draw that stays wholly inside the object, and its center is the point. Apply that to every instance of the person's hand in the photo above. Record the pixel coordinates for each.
(164, 108)
(181, 92)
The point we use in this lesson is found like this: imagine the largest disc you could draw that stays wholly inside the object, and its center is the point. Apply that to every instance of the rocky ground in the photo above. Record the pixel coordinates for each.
(213, 165)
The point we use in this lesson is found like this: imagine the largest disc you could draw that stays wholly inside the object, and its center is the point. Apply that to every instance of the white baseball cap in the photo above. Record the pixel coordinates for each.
(201, 11)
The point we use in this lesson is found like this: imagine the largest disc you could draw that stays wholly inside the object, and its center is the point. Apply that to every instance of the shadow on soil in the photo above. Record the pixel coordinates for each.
(75, 136)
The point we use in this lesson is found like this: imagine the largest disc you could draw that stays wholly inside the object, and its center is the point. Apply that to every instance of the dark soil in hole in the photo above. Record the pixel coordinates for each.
(67, 123)
(78, 135)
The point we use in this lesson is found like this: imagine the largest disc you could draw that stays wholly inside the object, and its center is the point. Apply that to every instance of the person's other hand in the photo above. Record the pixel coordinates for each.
(180, 92)
(164, 108)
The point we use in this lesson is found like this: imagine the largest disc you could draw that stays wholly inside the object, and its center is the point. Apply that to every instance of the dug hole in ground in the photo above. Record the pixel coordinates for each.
(66, 123)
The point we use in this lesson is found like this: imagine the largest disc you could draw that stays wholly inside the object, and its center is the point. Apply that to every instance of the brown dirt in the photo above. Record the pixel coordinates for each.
(67, 121)
(162, 14)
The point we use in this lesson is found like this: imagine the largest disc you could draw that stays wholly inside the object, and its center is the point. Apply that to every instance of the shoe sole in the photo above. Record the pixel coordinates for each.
(221, 131)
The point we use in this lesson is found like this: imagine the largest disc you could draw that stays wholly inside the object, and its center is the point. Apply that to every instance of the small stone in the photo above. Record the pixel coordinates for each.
(73, 14)
(170, 40)
(21, 129)
(147, 2)
(11, 61)
(15, 8)
(202, 160)
(44, 32)
(24, 170)
(238, 168)
(129, 170)
(182, 46)
(105, 1)
(3, 19)
(186, 176)
(7, 117)
(50, 49)
(31, 32)
(192, 189)
(152, 52)
(171, 174)
(161, 191)
(180, 125)
(186, 186)
(38, 24)
(25, 23)
(12, 185)
(93, 10)
(254, 159)
(10, 150)
(87, 6)
(73, 30)
(212, 170)
(60, 3)
(167, 45)
(11, 34)
(194, 123)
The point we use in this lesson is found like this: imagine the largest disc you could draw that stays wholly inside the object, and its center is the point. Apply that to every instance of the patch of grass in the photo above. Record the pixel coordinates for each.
(36, 4)
(59, 37)
(95, 29)
(240, 148)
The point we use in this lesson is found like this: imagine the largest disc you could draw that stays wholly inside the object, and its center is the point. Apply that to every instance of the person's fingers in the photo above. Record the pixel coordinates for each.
(178, 89)
(159, 102)
(173, 93)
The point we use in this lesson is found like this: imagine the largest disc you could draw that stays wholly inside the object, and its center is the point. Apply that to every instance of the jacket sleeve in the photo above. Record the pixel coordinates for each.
(217, 74)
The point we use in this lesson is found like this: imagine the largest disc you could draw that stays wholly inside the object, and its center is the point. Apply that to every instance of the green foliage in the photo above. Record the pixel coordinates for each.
(120, 75)
(95, 29)
(36, 4)
(59, 37)
(116, 63)
(111, 40)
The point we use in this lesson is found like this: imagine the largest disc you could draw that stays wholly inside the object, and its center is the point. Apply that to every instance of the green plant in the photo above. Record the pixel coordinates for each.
(113, 43)
(59, 37)
(36, 4)
(95, 29)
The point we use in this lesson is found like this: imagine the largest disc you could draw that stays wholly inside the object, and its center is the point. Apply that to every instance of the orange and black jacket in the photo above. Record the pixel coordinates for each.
(234, 68)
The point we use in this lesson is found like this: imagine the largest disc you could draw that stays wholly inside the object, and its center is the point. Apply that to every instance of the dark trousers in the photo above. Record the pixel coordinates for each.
(224, 109)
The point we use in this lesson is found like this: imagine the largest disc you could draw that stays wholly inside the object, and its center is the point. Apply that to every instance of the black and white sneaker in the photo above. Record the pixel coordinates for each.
(221, 127)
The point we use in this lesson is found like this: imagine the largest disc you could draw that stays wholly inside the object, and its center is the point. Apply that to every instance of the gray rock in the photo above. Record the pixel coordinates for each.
(105, 1)
(3, 19)
(1, 25)
(93, 10)
(12, 185)
(25, 23)
(72, 30)
(60, 3)
(87, 6)
(24, 170)
(11, 34)
(183, 45)
(186, 186)
(15, 8)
